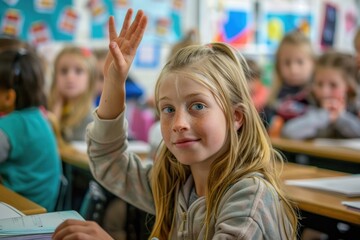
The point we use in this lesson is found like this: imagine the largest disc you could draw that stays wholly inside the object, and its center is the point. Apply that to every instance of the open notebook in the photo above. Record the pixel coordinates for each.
(346, 185)
(14, 225)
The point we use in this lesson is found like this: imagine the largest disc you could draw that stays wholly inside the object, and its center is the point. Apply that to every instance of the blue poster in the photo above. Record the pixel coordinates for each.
(38, 21)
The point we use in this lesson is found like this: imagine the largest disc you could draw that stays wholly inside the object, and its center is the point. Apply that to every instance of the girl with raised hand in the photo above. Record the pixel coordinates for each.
(216, 174)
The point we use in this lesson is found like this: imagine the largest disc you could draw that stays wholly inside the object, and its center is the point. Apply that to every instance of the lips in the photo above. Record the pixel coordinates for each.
(185, 142)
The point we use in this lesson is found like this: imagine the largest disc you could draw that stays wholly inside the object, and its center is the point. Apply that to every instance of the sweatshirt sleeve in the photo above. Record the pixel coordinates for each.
(119, 171)
(348, 125)
(306, 126)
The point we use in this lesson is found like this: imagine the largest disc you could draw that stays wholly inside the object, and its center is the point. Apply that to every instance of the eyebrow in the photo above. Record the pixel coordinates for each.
(191, 95)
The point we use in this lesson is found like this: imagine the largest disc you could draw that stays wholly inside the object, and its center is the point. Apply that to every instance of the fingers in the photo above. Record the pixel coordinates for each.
(126, 24)
(76, 229)
(137, 29)
(112, 29)
(116, 54)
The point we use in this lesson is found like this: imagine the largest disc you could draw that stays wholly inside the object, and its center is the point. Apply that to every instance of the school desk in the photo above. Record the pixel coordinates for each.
(19, 202)
(325, 156)
(75, 154)
(321, 210)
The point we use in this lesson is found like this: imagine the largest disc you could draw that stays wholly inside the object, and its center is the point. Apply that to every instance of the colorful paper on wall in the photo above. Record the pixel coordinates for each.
(38, 21)
(236, 25)
(281, 17)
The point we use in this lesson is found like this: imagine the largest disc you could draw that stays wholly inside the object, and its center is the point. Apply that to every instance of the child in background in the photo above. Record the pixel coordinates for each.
(72, 91)
(100, 55)
(258, 91)
(215, 176)
(294, 63)
(26, 166)
(335, 92)
(357, 49)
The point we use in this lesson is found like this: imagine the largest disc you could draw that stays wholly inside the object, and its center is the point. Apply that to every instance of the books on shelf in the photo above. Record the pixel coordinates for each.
(38, 226)
(346, 185)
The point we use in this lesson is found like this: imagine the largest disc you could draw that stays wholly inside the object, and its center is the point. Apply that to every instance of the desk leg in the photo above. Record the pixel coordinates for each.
(68, 174)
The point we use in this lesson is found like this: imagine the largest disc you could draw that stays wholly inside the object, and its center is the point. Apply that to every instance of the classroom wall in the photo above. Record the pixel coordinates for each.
(206, 16)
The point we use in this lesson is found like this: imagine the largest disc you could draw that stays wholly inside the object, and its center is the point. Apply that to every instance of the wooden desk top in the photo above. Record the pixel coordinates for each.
(315, 201)
(79, 158)
(308, 147)
(19, 202)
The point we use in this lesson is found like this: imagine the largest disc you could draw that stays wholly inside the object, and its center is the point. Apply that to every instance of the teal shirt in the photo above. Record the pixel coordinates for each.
(33, 166)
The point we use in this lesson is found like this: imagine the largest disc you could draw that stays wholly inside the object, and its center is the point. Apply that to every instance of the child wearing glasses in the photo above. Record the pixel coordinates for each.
(29, 159)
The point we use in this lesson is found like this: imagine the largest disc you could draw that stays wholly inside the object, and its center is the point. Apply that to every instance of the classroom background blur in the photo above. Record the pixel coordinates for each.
(253, 26)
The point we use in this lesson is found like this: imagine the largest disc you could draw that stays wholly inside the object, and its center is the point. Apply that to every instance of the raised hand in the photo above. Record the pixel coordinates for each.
(122, 50)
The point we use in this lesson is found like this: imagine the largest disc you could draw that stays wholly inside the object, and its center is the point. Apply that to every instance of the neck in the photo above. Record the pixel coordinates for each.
(200, 175)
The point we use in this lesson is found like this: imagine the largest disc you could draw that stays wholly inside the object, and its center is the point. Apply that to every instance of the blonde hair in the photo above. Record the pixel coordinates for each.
(296, 38)
(79, 109)
(357, 38)
(223, 71)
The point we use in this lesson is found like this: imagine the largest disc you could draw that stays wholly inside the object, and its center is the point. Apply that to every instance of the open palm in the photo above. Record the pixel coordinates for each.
(123, 46)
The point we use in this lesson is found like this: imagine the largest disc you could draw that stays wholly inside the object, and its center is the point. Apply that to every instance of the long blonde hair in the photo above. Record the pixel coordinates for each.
(79, 109)
(223, 71)
(296, 38)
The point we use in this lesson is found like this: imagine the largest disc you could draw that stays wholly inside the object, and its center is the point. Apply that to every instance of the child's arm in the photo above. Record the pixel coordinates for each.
(306, 126)
(118, 61)
(348, 125)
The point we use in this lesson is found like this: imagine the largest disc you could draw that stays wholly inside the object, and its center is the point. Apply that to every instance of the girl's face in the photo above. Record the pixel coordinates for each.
(72, 78)
(329, 83)
(193, 125)
(295, 64)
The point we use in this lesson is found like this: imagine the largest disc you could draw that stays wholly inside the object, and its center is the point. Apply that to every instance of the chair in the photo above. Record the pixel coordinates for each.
(62, 203)
(94, 203)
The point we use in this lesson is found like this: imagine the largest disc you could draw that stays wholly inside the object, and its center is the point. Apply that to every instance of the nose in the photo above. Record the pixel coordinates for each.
(180, 121)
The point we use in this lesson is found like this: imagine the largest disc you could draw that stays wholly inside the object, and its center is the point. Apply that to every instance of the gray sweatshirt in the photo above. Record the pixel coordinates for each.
(316, 124)
(250, 209)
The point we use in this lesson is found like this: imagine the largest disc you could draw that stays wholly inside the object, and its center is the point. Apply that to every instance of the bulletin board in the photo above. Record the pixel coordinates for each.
(41, 21)
(38, 21)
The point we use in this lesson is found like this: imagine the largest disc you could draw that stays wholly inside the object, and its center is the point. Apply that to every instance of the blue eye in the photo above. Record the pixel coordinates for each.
(198, 106)
(168, 110)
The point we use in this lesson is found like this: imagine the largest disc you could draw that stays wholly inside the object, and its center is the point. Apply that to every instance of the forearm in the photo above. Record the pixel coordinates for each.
(112, 101)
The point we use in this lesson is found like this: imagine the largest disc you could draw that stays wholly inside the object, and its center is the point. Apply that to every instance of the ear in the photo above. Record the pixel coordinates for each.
(238, 117)
(10, 98)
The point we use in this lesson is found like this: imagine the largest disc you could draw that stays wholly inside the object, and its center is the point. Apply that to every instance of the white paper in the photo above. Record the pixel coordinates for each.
(7, 211)
(134, 146)
(352, 143)
(35, 224)
(352, 204)
(346, 185)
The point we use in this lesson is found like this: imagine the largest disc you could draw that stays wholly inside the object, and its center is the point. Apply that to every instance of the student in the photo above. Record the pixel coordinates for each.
(294, 63)
(72, 91)
(258, 91)
(357, 49)
(26, 166)
(335, 92)
(215, 148)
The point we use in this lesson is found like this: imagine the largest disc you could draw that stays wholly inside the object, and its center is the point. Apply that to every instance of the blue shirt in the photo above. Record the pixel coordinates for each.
(33, 165)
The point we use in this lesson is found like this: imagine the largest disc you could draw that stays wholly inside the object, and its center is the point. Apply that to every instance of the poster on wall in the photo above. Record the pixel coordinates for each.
(279, 17)
(38, 21)
(164, 17)
(236, 23)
